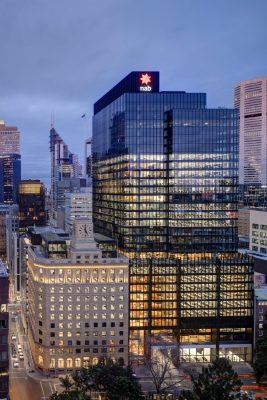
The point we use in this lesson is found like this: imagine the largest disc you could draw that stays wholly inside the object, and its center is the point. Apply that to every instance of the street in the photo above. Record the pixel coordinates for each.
(25, 383)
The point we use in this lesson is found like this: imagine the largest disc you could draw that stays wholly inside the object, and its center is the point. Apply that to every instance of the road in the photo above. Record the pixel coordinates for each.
(26, 385)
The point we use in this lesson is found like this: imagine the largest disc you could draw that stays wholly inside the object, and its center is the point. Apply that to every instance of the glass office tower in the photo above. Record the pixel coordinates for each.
(31, 202)
(10, 175)
(165, 179)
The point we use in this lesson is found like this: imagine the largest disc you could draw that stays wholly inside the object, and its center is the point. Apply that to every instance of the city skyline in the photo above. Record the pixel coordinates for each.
(55, 65)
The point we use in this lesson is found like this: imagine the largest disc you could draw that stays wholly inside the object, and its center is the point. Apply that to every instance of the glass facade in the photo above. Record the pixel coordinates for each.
(165, 178)
(31, 201)
(10, 175)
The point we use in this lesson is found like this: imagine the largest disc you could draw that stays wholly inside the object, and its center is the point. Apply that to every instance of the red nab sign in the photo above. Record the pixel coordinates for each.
(145, 79)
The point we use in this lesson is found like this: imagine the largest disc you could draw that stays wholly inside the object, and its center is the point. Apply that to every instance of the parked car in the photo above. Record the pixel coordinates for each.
(15, 364)
(21, 356)
(13, 336)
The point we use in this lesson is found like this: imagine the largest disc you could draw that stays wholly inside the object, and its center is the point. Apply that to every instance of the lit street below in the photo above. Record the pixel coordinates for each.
(26, 385)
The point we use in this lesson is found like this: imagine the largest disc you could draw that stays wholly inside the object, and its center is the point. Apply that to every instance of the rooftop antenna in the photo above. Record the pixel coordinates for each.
(52, 119)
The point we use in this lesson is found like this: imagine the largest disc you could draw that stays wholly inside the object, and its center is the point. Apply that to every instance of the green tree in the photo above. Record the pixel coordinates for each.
(122, 388)
(66, 383)
(218, 381)
(115, 380)
(260, 365)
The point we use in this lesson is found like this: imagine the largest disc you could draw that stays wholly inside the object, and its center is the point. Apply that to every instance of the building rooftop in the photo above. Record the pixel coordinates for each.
(38, 230)
(100, 237)
(55, 236)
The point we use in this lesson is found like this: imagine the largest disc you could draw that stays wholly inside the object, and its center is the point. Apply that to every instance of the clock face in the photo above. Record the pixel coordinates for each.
(84, 230)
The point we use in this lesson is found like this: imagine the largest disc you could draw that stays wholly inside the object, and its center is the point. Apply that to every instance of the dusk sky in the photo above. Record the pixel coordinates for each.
(61, 56)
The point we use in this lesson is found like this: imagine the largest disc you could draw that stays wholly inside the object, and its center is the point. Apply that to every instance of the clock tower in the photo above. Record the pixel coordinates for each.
(83, 246)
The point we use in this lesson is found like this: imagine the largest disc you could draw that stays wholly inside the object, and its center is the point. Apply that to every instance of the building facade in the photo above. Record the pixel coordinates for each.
(165, 184)
(4, 359)
(10, 175)
(77, 306)
(10, 164)
(77, 205)
(260, 314)
(250, 99)
(31, 202)
(64, 166)
(12, 250)
(258, 231)
(9, 139)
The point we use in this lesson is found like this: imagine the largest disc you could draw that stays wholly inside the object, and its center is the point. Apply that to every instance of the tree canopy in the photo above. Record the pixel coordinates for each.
(116, 381)
(218, 381)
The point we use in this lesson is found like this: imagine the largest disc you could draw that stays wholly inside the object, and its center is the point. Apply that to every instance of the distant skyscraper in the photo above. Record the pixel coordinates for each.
(64, 166)
(165, 184)
(250, 97)
(10, 175)
(10, 164)
(9, 139)
(31, 201)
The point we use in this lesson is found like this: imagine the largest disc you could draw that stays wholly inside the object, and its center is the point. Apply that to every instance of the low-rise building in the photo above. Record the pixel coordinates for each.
(258, 231)
(77, 306)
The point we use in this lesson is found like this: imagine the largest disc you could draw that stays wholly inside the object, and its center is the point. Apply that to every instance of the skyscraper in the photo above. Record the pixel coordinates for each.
(31, 201)
(10, 175)
(64, 166)
(165, 182)
(10, 164)
(250, 97)
(9, 139)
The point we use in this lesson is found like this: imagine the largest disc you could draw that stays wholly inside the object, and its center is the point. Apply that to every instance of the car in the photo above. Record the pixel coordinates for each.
(19, 347)
(14, 354)
(15, 364)
(13, 336)
(21, 356)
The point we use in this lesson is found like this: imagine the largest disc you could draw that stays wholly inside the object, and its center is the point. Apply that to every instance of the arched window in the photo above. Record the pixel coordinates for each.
(69, 363)
(52, 363)
(60, 363)
(77, 362)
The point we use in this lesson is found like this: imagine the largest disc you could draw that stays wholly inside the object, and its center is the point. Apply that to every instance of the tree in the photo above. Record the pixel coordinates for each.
(164, 374)
(218, 381)
(116, 381)
(260, 365)
(122, 388)
(66, 383)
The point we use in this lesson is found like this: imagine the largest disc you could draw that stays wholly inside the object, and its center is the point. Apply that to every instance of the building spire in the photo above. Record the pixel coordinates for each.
(52, 120)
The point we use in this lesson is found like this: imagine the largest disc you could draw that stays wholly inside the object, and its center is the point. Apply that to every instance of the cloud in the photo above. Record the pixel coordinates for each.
(61, 56)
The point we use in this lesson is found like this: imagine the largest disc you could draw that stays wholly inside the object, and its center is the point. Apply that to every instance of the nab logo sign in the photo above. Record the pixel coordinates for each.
(145, 80)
